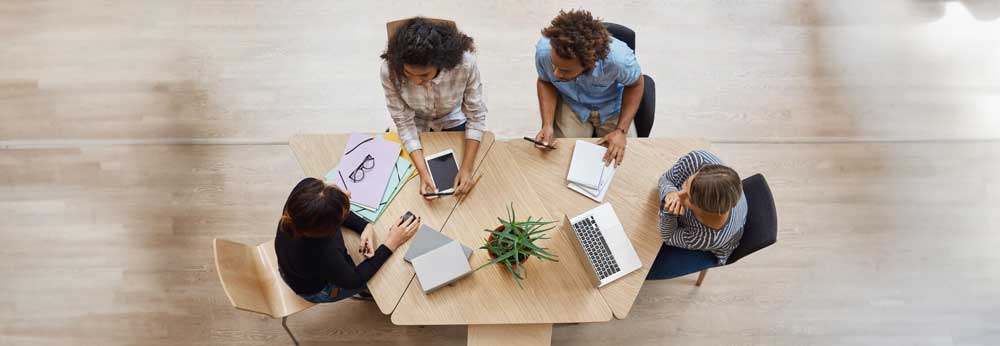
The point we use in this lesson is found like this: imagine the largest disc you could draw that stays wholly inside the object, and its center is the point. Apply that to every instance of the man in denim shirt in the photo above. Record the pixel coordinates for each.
(597, 77)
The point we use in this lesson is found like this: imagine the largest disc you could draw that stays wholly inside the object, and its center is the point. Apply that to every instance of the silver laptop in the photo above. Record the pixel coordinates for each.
(607, 250)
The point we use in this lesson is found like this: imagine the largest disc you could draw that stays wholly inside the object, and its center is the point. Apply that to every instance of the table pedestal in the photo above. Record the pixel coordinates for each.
(510, 334)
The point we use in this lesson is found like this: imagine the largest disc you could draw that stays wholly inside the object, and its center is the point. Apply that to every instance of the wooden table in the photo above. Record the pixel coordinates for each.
(489, 301)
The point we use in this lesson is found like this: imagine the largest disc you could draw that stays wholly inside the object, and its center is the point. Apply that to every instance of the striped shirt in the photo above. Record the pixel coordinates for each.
(686, 231)
(452, 98)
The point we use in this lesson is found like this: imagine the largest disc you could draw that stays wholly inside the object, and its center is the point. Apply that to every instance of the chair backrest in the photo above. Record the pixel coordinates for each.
(393, 26)
(250, 278)
(622, 33)
(761, 228)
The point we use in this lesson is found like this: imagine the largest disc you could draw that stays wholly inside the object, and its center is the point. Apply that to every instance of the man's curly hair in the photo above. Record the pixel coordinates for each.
(423, 42)
(577, 34)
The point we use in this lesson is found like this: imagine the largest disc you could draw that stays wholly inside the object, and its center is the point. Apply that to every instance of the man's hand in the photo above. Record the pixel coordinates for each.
(427, 186)
(672, 203)
(367, 246)
(615, 141)
(463, 181)
(545, 136)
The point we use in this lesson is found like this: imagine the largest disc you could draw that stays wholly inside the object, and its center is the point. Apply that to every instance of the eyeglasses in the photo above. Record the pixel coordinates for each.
(359, 173)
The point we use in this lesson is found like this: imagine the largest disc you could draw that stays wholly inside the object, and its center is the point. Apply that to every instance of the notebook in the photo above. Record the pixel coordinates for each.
(428, 239)
(587, 166)
(587, 173)
(441, 266)
(365, 167)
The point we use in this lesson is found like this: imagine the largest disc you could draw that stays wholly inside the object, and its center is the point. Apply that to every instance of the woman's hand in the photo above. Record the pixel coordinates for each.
(672, 203)
(427, 186)
(367, 247)
(463, 181)
(401, 232)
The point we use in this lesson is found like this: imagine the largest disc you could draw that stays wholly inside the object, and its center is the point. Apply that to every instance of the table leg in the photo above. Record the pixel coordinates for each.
(510, 334)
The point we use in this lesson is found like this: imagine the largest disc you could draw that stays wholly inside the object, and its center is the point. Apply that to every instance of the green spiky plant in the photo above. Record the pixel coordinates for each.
(515, 243)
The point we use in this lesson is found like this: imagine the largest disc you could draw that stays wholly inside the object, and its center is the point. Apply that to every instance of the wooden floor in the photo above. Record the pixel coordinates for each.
(132, 133)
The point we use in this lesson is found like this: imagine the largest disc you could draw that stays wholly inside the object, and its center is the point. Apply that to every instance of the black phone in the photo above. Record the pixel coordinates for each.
(406, 217)
(546, 146)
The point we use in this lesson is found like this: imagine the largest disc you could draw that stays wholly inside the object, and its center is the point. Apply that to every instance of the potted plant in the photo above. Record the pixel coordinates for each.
(513, 242)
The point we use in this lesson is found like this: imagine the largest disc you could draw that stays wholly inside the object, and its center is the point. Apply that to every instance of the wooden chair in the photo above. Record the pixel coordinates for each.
(250, 278)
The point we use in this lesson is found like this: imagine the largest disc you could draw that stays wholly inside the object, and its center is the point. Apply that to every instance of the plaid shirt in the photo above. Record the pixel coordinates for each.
(453, 97)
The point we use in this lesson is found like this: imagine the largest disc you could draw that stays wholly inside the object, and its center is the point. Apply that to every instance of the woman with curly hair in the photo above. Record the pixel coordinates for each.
(589, 83)
(432, 83)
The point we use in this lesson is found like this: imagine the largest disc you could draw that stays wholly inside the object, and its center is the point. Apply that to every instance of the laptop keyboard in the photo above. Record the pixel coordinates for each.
(596, 247)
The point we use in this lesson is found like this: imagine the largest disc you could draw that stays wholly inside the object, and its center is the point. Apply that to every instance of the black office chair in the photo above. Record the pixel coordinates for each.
(760, 231)
(647, 106)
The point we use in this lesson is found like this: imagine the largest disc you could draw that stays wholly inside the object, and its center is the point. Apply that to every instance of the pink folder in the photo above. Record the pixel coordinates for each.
(365, 168)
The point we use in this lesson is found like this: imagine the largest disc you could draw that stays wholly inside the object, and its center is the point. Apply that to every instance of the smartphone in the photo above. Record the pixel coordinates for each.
(406, 217)
(540, 144)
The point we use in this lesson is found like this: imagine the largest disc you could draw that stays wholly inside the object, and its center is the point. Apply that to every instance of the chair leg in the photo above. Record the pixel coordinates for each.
(701, 277)
(284, 323)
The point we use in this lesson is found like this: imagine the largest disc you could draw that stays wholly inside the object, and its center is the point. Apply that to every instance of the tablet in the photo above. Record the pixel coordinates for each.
(444, 168)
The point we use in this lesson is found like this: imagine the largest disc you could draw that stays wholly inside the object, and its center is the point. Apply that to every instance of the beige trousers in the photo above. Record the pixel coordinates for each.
(568, 125)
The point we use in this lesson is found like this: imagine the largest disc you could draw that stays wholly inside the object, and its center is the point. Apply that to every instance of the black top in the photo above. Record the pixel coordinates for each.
(307, 264)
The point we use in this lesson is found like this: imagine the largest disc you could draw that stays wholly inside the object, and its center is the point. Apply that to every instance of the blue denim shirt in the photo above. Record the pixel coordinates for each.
(599, 89)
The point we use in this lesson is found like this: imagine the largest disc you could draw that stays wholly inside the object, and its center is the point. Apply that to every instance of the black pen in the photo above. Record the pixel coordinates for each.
(539, 143)
(438, 194)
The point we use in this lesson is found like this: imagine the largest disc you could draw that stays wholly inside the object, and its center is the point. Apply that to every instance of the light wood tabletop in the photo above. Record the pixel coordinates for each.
(554, 292)
(318, 153)
(489, 300)
(633, 195)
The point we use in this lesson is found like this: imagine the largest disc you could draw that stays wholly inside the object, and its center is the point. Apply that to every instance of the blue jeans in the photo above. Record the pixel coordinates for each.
(672, 262)
(456, 128)
(331, 294)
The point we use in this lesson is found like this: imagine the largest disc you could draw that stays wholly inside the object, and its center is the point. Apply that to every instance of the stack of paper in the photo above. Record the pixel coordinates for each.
(364, 169)
(393, 136)
(398, 178)
(401, 172)
(588, 174)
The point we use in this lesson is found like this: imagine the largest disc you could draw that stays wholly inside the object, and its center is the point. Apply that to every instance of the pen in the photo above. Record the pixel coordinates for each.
(438, 194)
(539, 143)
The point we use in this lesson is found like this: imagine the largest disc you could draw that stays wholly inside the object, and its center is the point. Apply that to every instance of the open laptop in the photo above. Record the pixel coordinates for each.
(607, 250)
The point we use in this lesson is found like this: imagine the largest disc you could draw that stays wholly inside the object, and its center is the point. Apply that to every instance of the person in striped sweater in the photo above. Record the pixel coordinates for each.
(702, 207)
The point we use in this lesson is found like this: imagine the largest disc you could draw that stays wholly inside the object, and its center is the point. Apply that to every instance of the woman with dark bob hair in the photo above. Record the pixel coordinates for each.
(312, 257)
(432, 83)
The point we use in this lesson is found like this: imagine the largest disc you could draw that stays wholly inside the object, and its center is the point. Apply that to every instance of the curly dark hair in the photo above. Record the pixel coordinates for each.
(577, 34)
(425, 42)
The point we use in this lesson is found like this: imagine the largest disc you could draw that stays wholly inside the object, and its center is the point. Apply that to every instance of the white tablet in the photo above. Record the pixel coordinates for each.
(444, 168)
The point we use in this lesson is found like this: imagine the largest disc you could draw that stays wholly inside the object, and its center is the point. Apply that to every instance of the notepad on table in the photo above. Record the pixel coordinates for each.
(588, 174)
